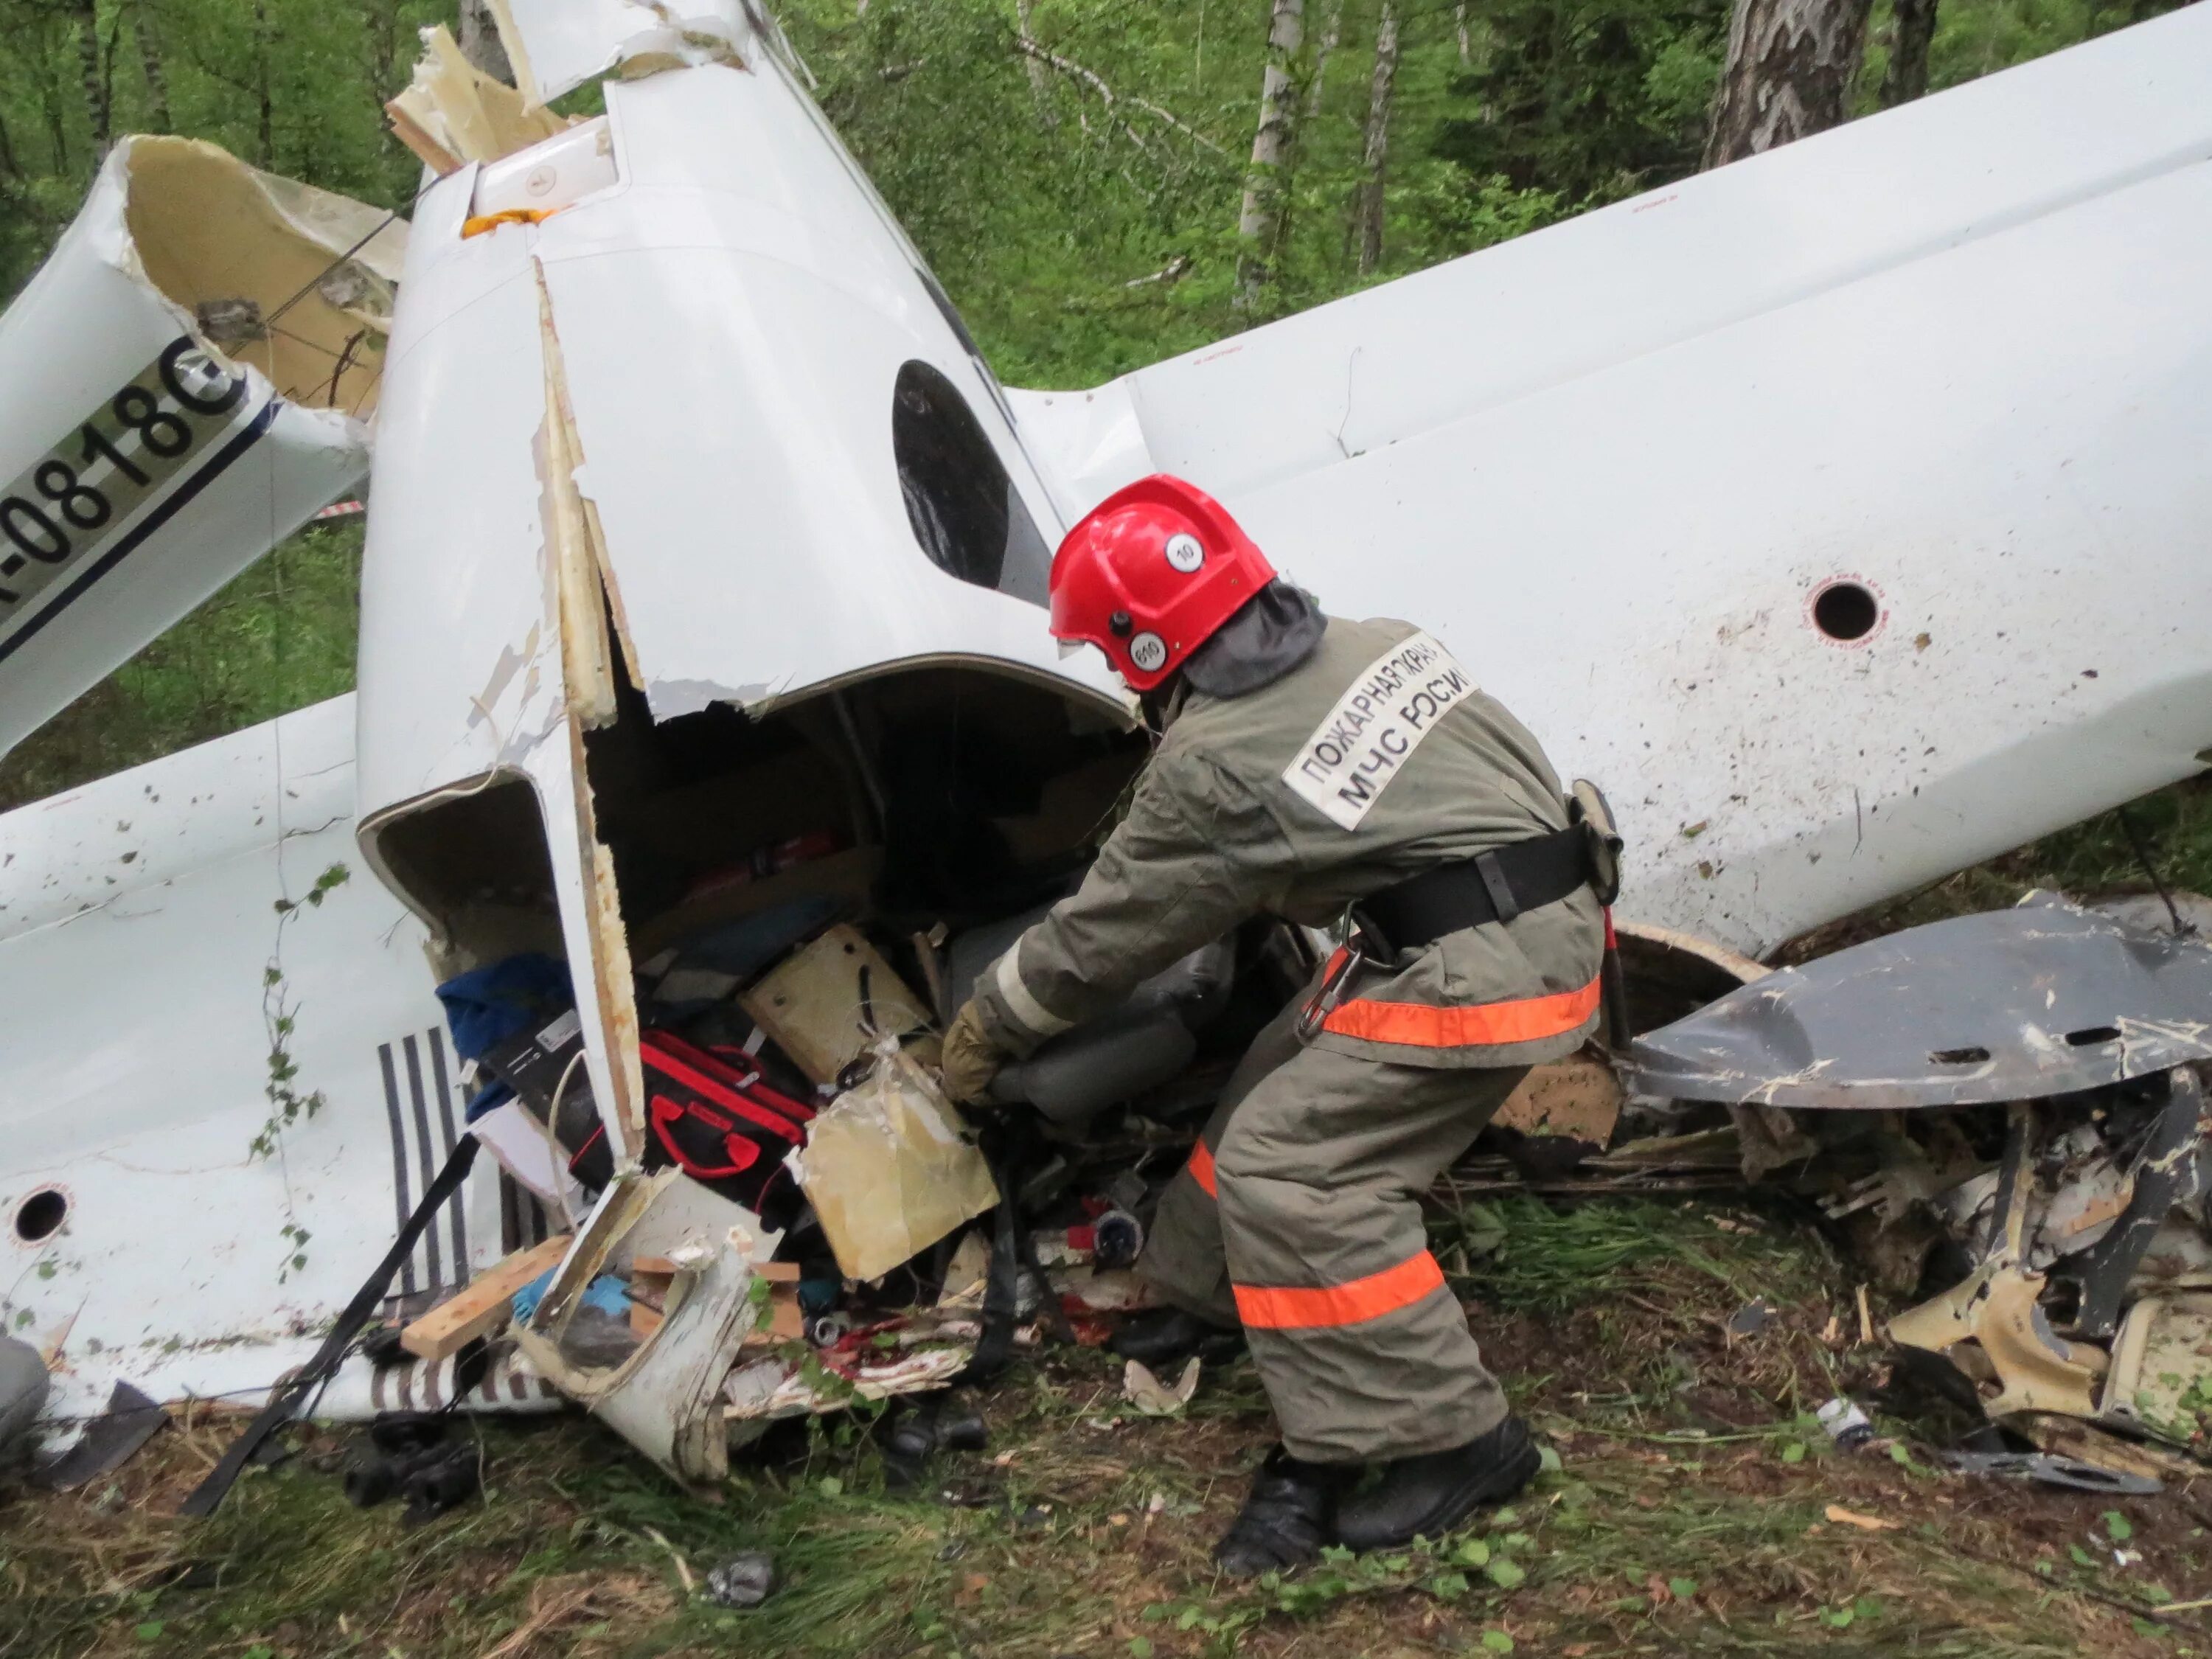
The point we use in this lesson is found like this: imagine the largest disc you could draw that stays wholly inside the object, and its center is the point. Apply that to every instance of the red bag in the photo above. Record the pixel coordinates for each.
(711, 1114)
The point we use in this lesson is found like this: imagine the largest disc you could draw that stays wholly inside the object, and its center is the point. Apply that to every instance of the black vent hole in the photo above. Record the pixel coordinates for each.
(2090, 1036)
(40, 1216)
(1960, 1057)
(1846, 610)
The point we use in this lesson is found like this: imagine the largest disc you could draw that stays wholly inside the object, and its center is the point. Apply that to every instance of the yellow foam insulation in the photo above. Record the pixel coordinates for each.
(887, 1169)
(453, 112)
(263, 266)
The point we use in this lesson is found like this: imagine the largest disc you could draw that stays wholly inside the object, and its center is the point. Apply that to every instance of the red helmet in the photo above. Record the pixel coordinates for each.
(1150, 573)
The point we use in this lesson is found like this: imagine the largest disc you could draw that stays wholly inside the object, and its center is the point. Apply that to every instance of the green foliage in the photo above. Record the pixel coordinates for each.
(1590, 100)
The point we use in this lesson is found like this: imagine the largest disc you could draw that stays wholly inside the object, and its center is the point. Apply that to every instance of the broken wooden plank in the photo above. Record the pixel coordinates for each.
(481, 1307)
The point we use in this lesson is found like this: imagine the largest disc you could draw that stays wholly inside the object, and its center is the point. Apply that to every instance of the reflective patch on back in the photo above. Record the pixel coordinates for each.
(1397, 701)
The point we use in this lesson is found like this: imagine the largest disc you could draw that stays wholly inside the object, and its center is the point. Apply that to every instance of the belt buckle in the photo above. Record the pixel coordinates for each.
(1323, 1001)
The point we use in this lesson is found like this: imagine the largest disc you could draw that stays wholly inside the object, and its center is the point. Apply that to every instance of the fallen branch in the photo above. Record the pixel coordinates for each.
(1108, 96)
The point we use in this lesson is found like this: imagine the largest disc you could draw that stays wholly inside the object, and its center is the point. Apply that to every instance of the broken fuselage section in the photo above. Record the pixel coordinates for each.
(722, 535)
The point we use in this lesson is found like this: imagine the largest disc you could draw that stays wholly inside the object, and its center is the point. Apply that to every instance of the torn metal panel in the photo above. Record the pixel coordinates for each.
(1997, 1308)
(186, 376)
(2044, 999)
(2169, 1172)
(664, 1395)
(555, 45)
(2161, 1382)
(453, 112)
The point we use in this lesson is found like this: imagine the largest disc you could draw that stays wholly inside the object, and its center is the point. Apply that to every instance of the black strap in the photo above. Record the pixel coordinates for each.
(1496, 885)
(1012, 1250)
(285, 1397)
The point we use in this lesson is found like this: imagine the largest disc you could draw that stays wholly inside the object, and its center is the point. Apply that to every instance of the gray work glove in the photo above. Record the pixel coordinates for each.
(970, 1059)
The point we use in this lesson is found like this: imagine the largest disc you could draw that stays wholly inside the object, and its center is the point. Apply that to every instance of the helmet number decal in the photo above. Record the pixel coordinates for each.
(1148, 652)
(1185, 553)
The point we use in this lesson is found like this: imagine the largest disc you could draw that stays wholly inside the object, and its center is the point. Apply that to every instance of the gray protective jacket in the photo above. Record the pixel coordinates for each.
(1375, 759)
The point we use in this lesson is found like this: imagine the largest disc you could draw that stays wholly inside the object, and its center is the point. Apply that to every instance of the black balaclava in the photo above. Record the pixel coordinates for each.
(1274, 632)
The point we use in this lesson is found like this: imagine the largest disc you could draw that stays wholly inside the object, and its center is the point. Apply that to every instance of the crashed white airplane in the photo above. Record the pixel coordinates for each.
(1842, 511)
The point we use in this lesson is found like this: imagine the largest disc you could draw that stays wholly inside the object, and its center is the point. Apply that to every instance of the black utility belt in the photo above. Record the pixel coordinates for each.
(1493, 886)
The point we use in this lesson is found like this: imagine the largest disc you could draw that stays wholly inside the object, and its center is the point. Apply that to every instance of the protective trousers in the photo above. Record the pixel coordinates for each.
(1299, 1216)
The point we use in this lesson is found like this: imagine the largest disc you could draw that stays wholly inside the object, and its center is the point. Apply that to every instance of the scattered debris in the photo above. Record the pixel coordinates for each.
(1153, 1397)
(1846, 1424)
(108, 1442)
(1842, 1517)
(2051, 1470)
(743, 1580)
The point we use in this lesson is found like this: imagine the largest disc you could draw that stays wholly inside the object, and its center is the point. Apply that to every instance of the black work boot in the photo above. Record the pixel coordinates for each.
(1286, 1520)
(1429, 1495)
(1168, 1336)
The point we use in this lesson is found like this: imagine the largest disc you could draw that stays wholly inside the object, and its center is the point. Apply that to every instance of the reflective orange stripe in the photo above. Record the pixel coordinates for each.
(1362, 1300)
(1421, 1026)
(1202, 1169)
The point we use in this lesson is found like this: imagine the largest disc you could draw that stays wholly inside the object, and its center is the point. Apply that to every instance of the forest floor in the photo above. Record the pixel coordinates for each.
(1691, 1512)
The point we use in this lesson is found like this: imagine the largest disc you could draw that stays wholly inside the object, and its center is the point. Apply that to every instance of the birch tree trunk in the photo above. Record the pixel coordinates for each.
(1268, 181)
(1331, 33)
(1466, 45)
(480, 42)
(1377, 152)
(96, 109)
(1040, 87)
(1907, 76)
(1791, 65)
(147, 33)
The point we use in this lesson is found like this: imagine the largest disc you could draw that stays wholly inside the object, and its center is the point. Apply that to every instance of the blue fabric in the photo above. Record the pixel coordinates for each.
(607, 1293)
(486, 1005)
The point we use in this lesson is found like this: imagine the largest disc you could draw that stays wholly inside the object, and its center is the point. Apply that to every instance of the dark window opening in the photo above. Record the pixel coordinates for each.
(965, 512)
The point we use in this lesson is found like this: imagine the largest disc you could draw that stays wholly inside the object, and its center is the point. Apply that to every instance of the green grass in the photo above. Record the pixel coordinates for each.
(1688, 1515)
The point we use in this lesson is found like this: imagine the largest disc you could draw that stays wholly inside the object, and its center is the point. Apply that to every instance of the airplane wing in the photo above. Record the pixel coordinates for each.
(182, 945)
(188, 379)
(1842, 511)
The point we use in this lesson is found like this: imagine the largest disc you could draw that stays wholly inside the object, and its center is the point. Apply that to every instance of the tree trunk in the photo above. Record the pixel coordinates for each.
(266, 133)
(1040, 88)
(1378, 140)
(480, 42)
(96, 109)
(1331, 33)
(1268, 181)
(381, 46)
(146, 32)
(1907, 76)
(1791, 65)
(1465, 43)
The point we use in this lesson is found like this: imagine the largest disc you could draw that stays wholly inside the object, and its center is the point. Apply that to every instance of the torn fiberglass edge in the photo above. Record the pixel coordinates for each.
(222, 316)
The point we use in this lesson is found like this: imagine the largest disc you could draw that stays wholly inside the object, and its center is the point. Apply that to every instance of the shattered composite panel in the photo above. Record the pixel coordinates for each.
(1885, 573)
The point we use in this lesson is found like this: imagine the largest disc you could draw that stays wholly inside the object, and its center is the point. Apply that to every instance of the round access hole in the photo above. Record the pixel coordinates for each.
(40, 1216)
(1846, 610)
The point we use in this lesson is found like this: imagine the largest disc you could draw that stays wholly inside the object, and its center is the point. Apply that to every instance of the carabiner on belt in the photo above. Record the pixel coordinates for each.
(1334, 980)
